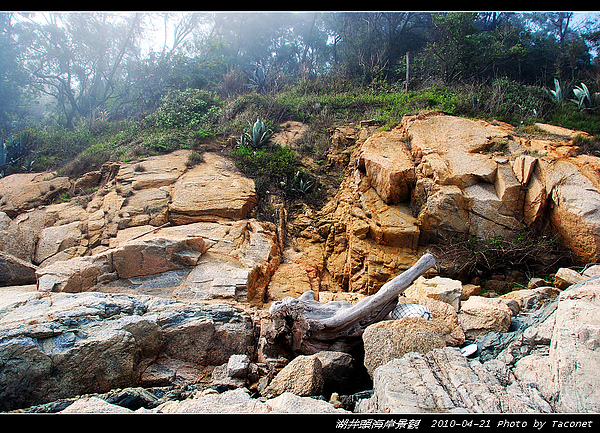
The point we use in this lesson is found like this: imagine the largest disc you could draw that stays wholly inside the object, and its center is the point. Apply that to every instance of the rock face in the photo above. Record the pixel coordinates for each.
(445, 381)
(436, 176)
(389, 166)
(432, 176)
(16, 271)
(482, 179)
(126, 260)
(121, 234)
(211, 190)
(567, 373)
(58, 345)
(21, 192)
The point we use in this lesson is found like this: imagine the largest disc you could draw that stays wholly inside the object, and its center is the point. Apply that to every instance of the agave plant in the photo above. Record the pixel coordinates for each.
(556, 94)
(11, 150)
(581, 93)
(257, 136)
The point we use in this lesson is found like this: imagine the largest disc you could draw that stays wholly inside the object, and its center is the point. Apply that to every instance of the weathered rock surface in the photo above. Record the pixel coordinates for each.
(390, 339)
(239, 401)
(15, 271)
(441, 289)
(21, 192)
(147, 255)
(434, 175)
(567, 374)
(389, 166)
(547, 364)
(211, 190)
(303, 376)
(445, 317)
(479, 316)
(443, 380)
(58, 345)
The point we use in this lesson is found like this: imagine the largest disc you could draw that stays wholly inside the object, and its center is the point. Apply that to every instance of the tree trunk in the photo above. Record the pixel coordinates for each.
(305, 326)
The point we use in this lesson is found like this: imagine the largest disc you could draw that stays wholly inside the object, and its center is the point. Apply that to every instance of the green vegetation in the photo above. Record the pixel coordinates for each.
(275, 167)
(229, 80)
(257, 136)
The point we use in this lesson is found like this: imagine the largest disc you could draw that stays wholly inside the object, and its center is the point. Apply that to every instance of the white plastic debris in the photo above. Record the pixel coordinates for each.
(469, 350)
(410, 310)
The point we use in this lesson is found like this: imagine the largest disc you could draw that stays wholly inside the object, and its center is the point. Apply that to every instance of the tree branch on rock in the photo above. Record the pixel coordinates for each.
(307, 326)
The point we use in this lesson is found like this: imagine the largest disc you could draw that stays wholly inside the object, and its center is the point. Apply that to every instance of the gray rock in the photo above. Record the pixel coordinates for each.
(573, 355)
(291, 403)
(237, 366)
(60, 345)
(234, 401)
(444, 381)
(15, 271)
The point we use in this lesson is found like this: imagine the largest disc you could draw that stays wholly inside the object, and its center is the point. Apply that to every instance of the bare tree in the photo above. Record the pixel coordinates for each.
(77, 57)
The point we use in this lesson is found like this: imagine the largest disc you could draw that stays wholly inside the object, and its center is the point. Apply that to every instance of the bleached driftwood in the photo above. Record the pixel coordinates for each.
(308, 326)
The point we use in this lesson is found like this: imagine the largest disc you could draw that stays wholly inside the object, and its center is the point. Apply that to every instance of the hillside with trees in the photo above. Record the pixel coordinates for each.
(79, 89)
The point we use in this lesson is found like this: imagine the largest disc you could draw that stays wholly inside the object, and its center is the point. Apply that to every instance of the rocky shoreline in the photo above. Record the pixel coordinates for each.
(544, 363)
(148, 289)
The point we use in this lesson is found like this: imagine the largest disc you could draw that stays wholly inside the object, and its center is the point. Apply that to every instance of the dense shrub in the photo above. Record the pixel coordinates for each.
(274, 167)
(190, 109)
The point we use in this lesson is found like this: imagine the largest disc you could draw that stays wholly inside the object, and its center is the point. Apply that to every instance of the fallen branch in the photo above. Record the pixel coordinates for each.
(308, 326)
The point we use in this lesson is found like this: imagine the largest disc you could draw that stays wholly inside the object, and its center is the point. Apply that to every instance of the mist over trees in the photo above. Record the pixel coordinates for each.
(65, 69)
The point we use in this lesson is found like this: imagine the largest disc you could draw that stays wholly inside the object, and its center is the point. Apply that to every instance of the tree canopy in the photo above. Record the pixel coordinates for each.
(80, 65)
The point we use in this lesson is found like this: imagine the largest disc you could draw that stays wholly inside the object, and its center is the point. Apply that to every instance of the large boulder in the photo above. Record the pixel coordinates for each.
(445, 317)
(58, 238)
(389, 339)
(24, 191)
(567, 373)
(241, 257)
(480, 315)
(388, 164)
(211, 190)
(15, 271)
(59, 345)
(439, 288)
(149, 254)
(575, 210)
(303, 376)
(444, 381)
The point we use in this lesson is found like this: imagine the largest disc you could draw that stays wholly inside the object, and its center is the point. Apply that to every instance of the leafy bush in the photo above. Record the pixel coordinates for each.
(191, 108)
(505, 100)
(274, 167)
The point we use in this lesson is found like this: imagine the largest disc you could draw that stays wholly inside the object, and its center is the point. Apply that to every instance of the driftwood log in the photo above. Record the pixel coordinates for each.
(307, 326)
